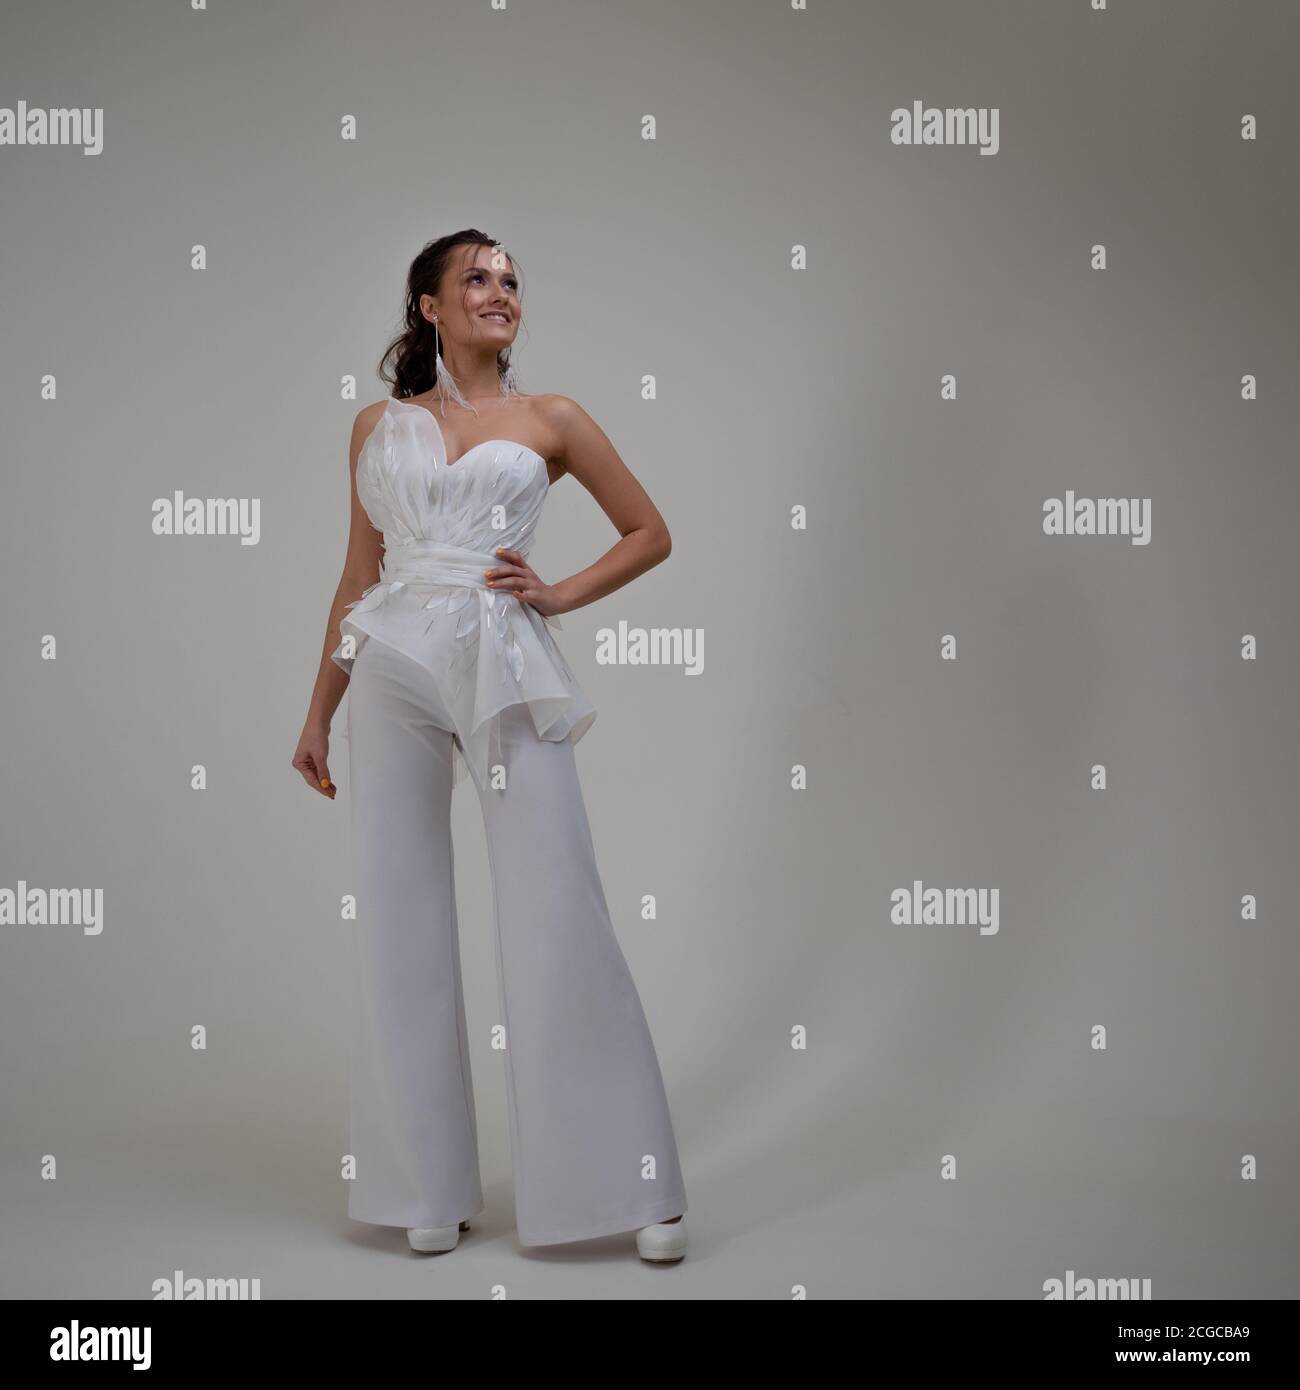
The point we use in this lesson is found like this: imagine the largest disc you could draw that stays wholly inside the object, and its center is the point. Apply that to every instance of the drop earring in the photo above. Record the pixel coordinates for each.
(446, 382)
(509, 385)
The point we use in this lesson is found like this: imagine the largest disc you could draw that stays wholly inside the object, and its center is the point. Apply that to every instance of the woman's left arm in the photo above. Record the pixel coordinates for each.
(644, 541)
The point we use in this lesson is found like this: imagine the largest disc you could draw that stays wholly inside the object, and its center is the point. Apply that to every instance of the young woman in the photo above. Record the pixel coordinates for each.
(439, 631)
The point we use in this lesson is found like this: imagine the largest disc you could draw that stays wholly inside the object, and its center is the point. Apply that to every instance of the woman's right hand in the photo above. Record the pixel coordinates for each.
(312, 759)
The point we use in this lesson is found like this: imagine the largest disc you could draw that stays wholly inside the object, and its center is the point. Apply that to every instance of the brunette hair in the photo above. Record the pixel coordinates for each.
(412, 350)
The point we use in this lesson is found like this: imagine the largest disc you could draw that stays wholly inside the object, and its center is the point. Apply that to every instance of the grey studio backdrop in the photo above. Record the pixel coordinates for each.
(953, 1126)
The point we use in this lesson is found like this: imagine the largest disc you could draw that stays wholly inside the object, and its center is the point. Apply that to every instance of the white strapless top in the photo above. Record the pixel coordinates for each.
(442, 523)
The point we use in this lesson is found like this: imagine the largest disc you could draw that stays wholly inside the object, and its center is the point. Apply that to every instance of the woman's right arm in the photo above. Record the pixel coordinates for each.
(360, 571)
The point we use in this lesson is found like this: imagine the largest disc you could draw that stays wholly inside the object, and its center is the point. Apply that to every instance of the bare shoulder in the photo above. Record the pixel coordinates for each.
(571, 426)
(561, 412)
(367, 420)
(370, 415)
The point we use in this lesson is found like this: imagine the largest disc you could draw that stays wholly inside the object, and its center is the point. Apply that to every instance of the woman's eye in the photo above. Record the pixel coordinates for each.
(478, 275)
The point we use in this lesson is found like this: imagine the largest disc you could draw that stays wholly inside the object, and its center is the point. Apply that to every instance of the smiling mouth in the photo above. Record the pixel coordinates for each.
(497, 316)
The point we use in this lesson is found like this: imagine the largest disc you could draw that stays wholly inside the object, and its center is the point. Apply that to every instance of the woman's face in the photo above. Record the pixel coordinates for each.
(479, 300)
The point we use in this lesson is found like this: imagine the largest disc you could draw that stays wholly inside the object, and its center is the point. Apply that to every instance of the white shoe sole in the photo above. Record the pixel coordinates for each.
(664, 1243)
(434, 1240)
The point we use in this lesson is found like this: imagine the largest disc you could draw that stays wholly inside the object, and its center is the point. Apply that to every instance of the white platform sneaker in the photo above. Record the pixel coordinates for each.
(663, 1242)
(434, 1240)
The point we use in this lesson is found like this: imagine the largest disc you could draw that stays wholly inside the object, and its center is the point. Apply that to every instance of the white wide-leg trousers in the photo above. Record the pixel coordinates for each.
(590, 1132)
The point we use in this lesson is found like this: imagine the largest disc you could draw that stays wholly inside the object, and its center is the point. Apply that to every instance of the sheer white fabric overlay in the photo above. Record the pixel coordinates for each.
(442, 523)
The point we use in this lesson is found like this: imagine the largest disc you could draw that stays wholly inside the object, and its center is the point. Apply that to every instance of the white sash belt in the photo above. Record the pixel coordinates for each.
(435, 562)
(430, 563)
